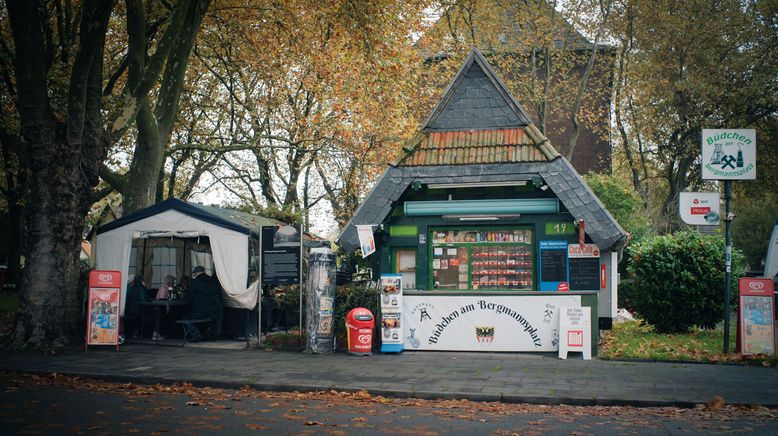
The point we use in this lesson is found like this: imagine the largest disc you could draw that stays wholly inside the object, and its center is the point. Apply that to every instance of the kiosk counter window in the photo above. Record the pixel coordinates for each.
(464, 259)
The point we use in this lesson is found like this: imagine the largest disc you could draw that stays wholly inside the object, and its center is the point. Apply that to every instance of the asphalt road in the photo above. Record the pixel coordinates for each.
(56, 404)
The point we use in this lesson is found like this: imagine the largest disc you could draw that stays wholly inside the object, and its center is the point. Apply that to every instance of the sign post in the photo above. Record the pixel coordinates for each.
(728, 154)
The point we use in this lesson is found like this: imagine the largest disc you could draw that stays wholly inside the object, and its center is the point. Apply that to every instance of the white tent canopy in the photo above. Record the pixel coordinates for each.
(229, 242)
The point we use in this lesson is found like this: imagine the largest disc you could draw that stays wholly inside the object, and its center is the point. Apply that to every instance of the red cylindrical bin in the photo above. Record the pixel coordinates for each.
(359, 331)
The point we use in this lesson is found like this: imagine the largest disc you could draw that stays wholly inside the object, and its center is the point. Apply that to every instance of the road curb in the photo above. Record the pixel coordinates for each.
(389, 393)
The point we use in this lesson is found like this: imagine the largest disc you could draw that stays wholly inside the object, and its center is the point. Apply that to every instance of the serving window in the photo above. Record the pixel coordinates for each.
(462, 259)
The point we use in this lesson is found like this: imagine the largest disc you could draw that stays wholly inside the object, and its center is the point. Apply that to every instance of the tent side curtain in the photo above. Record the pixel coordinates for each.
(230, 252)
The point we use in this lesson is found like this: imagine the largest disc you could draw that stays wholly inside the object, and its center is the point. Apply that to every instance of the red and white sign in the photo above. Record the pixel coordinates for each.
(563, 287)
(756, 323)
(575, 338)
(700, 208)
(585, 250)
(103, 308)
(603, 275)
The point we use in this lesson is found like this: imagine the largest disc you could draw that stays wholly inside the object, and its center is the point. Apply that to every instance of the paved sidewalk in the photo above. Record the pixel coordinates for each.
(505, 377)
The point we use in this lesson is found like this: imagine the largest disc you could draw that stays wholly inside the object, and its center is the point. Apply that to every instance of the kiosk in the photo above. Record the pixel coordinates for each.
(491, 230)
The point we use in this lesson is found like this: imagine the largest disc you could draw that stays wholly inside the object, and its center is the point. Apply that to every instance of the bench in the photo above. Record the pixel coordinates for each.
(188, 322)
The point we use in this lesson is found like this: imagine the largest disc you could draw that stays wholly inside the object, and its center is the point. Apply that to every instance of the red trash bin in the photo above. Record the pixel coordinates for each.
(359, 331)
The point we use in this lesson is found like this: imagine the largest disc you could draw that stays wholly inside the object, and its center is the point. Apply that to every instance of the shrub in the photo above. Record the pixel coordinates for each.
(349, 297)
(753, 226)
(678, 281)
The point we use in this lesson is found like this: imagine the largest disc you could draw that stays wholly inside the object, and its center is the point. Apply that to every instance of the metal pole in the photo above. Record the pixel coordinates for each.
(727, 259)
(300, 283)
(259, 292)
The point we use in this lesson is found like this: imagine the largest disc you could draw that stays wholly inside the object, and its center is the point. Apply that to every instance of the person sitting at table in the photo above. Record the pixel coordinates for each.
(163, 293)
(182, 287)
(136, 292)
(205, 296)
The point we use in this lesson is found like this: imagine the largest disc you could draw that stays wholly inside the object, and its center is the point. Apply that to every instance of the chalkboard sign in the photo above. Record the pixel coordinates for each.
(553, 264)
(584, 273)
(281, 255)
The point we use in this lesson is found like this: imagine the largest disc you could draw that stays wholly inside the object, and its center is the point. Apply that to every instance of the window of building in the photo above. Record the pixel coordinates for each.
(163, 263)
(481, 259)
(405, 264)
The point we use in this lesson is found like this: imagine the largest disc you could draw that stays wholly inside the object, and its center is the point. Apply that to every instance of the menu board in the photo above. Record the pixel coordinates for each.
(553, 265)
(584, 262)
(281, 255)
(584, 274)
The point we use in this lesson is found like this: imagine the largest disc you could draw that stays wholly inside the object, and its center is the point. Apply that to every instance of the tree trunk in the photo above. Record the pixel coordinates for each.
(63, 161)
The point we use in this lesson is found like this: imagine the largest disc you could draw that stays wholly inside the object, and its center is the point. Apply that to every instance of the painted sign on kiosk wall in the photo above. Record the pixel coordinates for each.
(757, 314)
(484, 323)
(103, 308)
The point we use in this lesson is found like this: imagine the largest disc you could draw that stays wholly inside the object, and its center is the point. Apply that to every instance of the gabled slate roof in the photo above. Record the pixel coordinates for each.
(558, 174)
(463, 154)
(476, 99)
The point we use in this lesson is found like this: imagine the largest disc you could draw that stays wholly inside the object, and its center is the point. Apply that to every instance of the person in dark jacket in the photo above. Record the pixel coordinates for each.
(136, 291)
(205, 296)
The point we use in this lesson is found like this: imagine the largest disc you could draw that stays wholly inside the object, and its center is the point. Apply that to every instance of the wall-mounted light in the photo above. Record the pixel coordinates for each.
(480, 217)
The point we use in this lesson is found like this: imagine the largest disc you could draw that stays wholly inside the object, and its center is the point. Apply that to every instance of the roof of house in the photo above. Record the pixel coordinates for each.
(227, 218)
(481, 154)
(476, 99)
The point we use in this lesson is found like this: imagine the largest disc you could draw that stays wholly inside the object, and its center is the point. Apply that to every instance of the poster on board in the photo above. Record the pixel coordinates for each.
(757, 315)
(281, 246)
(584, 263)
(103, 308)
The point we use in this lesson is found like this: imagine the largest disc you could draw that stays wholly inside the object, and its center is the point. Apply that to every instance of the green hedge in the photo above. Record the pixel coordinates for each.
(351, 296)
(677, 281)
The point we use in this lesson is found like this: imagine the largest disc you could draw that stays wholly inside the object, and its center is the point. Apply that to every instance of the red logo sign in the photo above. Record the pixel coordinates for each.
(751, 286)
(563, 287)
(575, 338)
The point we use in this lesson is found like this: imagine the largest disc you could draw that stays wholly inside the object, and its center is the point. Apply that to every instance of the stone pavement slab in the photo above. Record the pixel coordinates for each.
(508, 377)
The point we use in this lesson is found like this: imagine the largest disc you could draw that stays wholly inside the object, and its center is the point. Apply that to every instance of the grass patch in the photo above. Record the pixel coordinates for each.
(637, 340)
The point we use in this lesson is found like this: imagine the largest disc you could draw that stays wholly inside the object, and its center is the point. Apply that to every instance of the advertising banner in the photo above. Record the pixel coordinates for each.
(103, 308)
(757, 314)
(728, 154)
(320, 293)
(575, 331)
(366, 240)
(391, 313)
(700, 208)
(484, 323)
(281, 246)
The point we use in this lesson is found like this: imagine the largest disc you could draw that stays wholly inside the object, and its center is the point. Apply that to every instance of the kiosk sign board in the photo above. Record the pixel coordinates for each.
(728, 154)
(584, 261)
(575, 331)
(553, 266)
(700, 208)
(484, 322)
(103, 308)
(281, 247)
(757, 314)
